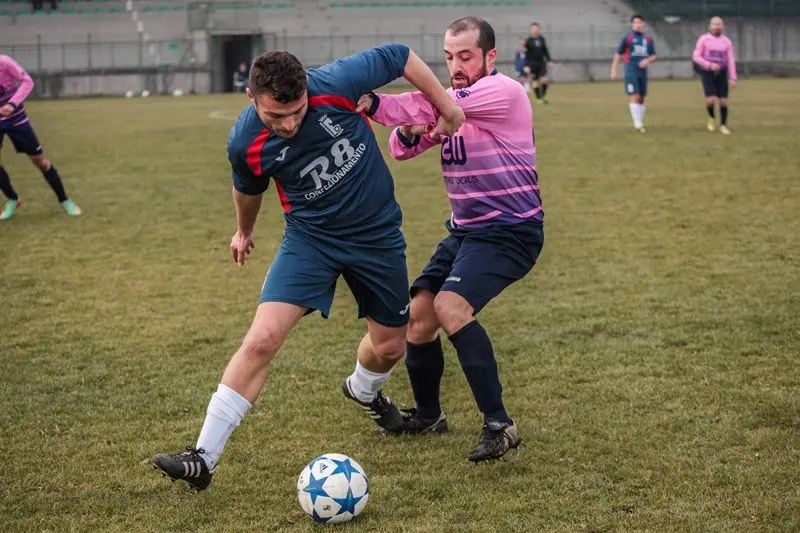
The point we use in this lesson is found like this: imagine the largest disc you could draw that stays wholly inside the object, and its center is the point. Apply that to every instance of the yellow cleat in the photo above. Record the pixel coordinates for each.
(711, 125)
(724, 129)
(642, 130)
(539, 101)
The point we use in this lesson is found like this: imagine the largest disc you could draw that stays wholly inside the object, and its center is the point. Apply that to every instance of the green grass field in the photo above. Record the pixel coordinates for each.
(651, 357)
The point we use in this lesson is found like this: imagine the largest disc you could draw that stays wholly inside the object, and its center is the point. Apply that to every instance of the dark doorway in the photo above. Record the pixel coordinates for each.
(236, 49)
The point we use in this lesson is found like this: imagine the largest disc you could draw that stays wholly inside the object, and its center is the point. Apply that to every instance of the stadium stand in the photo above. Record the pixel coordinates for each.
(693, 9)
(87, 35)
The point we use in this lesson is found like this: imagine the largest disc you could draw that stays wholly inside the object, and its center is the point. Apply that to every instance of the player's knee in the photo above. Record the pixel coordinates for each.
(391, 349)
(262, 345)
(423, 325)
(41, 162)
(723, 101)
(452, 311)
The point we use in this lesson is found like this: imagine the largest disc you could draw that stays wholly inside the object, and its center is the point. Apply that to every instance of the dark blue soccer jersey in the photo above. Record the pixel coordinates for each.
(331, 177)
(634, 47)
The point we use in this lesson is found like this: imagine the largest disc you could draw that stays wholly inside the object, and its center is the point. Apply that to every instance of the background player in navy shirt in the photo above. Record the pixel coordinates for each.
(638, 52)
(304, 134)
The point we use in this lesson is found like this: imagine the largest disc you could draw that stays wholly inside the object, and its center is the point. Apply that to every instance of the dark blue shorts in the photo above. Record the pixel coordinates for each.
(23, 138)
(715, 83)
(636, 83)
(305, 270)
(479, 264)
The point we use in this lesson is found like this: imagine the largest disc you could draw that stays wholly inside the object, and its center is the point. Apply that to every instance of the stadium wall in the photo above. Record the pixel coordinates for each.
(764, 47)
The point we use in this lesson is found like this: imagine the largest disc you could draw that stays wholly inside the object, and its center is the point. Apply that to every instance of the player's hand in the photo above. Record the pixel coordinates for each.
(714, 67)
(613, 75)
(549, 64)
(644, 63)
(526, 70)
(732, 83)
(240, 247)
(412, 131)
(364, 103)
(448, 124)
(6, 110)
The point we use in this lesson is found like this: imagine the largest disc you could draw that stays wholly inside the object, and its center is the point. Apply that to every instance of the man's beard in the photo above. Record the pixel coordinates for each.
(459, 80)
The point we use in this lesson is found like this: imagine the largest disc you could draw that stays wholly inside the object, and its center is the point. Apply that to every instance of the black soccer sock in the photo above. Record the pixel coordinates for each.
(544, 89)
(710, 109)
(5, 185)
(723, 114)
(425, 364)
(54, 180)
(476, 355)
(538, 91)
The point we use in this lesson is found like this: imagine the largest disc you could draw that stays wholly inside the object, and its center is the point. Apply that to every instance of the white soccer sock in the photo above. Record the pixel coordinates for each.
(225, 411)
(365, 384)
(634, 108)
(641, 111)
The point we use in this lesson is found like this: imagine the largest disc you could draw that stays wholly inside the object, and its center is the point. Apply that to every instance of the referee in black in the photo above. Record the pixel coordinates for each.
(537, 59)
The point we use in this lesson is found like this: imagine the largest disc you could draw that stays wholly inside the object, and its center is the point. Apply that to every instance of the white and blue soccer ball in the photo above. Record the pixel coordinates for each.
(332, 489)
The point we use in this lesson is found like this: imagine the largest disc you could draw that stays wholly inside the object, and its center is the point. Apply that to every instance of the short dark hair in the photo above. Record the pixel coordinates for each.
(536, 24)
(278, 74)
(637, 17)
(485, 31)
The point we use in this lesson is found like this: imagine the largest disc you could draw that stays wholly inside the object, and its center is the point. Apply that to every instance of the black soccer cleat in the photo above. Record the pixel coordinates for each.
(496, 439)
(381, 410)
(188, 466)
(417, 425)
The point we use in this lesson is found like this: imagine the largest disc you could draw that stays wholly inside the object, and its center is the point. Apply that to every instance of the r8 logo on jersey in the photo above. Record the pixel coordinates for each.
(344, 158)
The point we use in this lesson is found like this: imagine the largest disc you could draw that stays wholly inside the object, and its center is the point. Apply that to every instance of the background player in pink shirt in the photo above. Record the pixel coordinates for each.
(495, 230)
(716, 61)
(15, 86)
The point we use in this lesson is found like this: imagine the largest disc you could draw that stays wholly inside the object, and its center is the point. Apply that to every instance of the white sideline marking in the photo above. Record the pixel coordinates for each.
(222, 115)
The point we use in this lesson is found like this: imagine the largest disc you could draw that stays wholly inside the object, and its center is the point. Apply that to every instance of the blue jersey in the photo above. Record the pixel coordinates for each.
(331, 177)
(634, 47)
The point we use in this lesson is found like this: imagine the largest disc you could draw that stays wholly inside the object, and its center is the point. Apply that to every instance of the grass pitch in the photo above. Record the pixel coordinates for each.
(651, 357)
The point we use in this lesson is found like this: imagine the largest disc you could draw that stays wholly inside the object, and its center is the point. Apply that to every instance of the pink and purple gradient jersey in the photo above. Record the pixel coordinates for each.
(715, 50)
(15, 86)
(489, 165)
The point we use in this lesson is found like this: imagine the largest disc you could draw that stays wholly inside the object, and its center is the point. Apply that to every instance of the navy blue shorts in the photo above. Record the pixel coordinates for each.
(305, 270)
(636, 83)
(478, 264)
(23, 138)
(715, 83)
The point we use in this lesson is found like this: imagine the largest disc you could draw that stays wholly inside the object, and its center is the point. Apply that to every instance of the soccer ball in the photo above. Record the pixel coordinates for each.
(333, 488)
(145, 93)
(129, 94)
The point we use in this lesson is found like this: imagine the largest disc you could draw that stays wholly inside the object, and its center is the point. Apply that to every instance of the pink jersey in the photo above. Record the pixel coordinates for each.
(15, 86)
(711, 50)
(489, 165)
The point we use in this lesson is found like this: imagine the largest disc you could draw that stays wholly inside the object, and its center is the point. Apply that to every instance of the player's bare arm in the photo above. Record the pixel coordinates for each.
(644, 63)
(615, 66)
(247, 208)
(420, 76)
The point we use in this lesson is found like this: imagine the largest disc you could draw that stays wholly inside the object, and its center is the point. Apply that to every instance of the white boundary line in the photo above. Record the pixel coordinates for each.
(222, 115)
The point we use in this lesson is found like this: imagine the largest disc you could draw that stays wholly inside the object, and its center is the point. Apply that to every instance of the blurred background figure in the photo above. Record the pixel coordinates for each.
(240, 79)
(519, 65)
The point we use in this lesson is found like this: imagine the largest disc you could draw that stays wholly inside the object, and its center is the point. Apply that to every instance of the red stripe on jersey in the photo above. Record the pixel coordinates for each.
(282, 196)
(341, 102)
(628, 41)
(254, 151)
(333, 101)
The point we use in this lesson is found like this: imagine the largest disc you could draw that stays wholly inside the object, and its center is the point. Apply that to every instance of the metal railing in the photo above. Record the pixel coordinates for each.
(777, 40)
